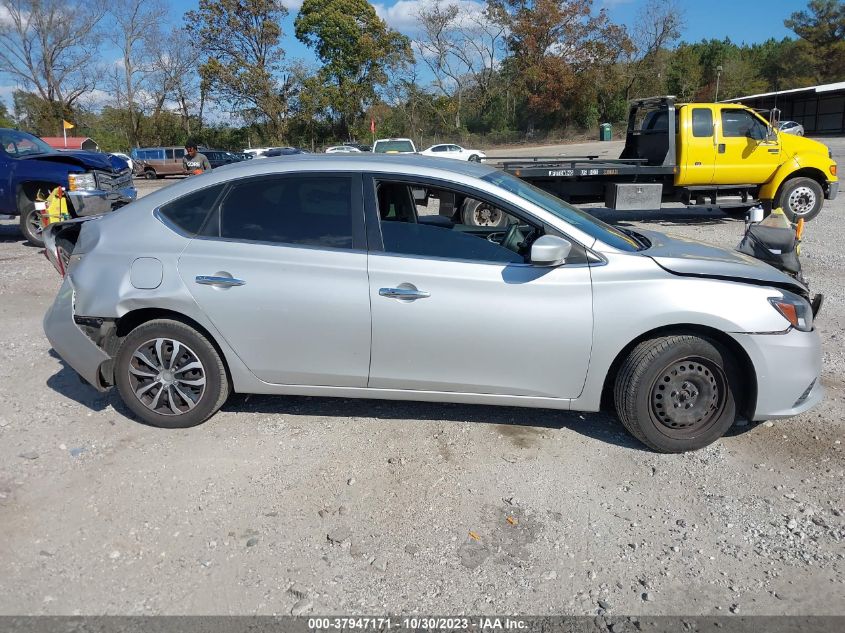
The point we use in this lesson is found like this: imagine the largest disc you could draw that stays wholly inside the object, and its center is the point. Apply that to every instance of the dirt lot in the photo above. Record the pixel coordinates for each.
(344, 506)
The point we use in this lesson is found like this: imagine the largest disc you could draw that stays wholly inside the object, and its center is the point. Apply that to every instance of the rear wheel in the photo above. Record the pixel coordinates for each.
(676, 393)
(801, 198)
(170, 375)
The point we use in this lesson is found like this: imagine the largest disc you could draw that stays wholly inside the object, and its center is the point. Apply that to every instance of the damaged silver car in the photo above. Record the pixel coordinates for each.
(353, 276)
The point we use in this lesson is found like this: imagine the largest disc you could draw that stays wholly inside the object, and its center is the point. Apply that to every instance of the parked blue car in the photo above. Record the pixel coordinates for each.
(95, 182)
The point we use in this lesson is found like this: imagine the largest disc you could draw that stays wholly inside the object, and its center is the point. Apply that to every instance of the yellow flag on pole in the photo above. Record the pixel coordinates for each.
(67, 125)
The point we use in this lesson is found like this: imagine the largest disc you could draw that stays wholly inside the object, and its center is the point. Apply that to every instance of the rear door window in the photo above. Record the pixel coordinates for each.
(702, 122)
(313, 210)
(169, 153)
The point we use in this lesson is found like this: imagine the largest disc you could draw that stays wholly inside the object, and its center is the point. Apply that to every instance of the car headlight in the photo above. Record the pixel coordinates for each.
(794, 309)
(79, 182)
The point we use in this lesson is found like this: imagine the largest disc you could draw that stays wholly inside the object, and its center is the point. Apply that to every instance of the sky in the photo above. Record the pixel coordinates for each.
(746, 21)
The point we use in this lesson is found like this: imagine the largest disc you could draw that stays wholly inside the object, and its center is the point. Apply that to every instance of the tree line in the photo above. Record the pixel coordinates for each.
(501, 71)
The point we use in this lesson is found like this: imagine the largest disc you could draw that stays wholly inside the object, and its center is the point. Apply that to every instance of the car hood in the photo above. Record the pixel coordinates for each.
(81, 158)
(696, 259)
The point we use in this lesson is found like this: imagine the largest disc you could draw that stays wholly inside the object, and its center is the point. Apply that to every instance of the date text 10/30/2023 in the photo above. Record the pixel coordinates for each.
(480, 623)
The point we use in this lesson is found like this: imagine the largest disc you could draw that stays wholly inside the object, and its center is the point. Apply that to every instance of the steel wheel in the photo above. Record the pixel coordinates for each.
(688, 397)
(167, 376)
(801, 201)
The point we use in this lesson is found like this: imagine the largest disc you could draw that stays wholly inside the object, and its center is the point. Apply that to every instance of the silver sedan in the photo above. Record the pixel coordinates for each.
(353, 276)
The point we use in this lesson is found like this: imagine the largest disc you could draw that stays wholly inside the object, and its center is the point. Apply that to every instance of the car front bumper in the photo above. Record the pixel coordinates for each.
(788, 368)
(70, 342)
(832, 190)
(98, 201)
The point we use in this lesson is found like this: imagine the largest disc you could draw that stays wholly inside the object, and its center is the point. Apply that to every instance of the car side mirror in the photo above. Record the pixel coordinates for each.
(771, 135)
(550, 250)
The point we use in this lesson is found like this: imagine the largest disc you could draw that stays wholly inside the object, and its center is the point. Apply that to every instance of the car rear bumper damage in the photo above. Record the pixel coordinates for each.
(98, 201)
(788, 367)
(70, 342)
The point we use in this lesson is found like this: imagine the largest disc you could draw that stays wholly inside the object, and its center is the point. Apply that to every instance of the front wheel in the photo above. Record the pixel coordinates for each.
(150, 174)
(170, 375)
(801, 198)
(30, 223)
(676, 393)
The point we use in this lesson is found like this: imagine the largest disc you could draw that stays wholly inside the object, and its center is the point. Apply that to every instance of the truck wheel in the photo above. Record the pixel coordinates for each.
(675, 393)
(800, 198)
(30, 220)
(150, 174)
(478, 213)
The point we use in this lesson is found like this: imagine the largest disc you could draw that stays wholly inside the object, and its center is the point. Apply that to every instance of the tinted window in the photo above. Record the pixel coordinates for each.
(314, 211)
(702, 122)
(169, 153)
(741, 123)
(438, 148)
(408, 238)
(179, 153)
(189, 212)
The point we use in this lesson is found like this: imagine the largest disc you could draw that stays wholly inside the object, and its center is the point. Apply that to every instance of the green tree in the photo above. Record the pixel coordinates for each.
(553, 46)
(357, 51)
(5, 118)
(685, 75)
(240, 40)
(822, 31)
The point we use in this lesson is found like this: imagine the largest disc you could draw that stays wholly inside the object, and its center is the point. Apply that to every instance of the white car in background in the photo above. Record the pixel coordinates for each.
(791, 127)
(449, 150)
(394, 146)
(342, 149)
(127, 159)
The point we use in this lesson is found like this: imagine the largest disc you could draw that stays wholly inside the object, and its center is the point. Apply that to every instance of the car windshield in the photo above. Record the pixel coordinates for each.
(579, 219)
(16, 143)
(382, 147)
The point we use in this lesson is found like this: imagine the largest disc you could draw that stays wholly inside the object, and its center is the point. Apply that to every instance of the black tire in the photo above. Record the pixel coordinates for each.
(800, 198)
(150, 174)
(175, 394)
(477, 213)
(474, 158)
(696, 376)
(30, 222)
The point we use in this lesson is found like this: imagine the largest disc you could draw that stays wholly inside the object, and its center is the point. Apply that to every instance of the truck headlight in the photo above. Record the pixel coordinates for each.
(80, 182)
(794, 309)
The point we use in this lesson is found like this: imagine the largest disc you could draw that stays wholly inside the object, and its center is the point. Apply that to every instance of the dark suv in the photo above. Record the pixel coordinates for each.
(217, 157)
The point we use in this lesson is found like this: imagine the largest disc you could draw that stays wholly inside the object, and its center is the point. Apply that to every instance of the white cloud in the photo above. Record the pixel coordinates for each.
(402, 16)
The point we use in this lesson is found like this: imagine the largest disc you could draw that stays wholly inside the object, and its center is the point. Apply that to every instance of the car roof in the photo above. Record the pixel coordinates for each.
(398, 163)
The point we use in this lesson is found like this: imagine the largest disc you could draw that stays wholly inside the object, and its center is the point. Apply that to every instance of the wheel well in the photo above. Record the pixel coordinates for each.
(804, 172)
(748, 387)
(131, 320)
(30, 189)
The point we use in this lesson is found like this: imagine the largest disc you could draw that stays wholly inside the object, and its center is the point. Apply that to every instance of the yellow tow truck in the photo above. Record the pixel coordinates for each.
(694, 153)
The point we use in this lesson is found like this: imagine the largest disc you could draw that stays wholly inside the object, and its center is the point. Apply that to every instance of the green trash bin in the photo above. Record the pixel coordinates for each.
(605, 132)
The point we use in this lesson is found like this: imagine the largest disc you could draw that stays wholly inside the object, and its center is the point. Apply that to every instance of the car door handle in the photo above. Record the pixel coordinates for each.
(403, 293)
(225, 282)
(721, 148)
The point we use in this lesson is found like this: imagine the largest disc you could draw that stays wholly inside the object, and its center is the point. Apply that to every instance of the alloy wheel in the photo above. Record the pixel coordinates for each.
(167, 376)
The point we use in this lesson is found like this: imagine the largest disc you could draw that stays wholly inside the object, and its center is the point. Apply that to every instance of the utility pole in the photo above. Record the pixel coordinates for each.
(718, 74)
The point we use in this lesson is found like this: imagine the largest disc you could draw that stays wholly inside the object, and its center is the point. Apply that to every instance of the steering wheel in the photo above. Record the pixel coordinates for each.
(513, 238)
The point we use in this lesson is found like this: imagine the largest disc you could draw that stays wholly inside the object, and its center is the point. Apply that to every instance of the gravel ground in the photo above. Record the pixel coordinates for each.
(343, 506)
